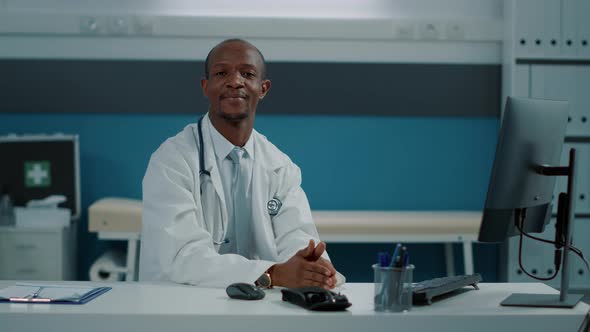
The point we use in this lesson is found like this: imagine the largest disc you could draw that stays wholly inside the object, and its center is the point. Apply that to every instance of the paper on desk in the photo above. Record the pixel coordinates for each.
(45, 291)
(17, 291)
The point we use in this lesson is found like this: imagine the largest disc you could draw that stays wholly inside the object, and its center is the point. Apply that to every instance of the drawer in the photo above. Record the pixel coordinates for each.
(30, 273)
(30, 255)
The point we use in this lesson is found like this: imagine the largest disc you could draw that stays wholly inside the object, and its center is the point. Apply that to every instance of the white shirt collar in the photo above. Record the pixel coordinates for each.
(223, 147)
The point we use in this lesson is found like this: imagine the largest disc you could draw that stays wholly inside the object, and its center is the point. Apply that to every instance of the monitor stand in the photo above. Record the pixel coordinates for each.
(542, 300)
(564, 229)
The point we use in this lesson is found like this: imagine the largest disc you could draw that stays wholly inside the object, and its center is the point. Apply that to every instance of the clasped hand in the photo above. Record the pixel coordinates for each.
(306, 268)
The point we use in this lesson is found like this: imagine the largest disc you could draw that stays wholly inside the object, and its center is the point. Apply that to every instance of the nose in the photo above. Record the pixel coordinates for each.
(235, 80)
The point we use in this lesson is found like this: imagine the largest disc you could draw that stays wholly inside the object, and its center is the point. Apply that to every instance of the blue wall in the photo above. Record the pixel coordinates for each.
(348, 162)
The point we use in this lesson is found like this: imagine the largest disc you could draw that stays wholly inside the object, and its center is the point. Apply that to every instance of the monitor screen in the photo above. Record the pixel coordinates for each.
(35, 167)
(532, 134)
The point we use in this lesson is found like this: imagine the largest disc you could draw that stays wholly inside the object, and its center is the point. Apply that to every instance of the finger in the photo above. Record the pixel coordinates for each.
(327, 283)
(327, 264)
(305, 252)
(309, 282)
(310, 248)
(317, 268)
(318, 251)
(334, 281)
(309, 275)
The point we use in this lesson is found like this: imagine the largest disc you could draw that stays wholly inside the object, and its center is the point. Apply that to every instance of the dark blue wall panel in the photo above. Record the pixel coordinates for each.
(348, 162)
(390, 137)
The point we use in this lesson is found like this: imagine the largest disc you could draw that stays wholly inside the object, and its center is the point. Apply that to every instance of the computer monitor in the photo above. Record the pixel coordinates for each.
(532, 133)
(523, 181)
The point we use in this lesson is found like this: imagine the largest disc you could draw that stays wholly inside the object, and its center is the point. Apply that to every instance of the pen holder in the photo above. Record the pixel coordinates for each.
(393, 288)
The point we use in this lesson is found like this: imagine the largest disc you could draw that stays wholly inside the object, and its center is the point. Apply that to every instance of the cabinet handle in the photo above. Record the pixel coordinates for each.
(26, 246)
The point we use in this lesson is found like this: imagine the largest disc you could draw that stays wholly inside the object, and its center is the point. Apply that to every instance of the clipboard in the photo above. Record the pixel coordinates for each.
(45, 293)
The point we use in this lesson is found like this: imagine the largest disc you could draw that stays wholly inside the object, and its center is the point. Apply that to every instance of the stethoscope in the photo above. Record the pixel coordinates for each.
(204, 171)
(273, 206)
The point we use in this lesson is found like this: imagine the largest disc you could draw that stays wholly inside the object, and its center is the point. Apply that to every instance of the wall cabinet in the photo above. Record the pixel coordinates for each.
(547, 56)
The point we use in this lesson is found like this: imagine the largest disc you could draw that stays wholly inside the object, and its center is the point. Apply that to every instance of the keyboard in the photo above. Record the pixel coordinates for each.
(424, 291)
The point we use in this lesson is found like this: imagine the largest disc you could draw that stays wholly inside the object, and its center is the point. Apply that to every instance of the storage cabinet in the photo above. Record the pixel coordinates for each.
(547, 56)
(37, 253)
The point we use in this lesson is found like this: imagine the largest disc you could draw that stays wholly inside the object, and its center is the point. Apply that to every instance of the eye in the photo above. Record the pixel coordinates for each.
(248, 74)
(220, 73)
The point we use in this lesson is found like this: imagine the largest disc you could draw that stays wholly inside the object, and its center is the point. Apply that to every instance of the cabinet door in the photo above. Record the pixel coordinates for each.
(569, 83)
(580, 274)
(582, 178)
(583, 27)
(528, 18)
(550, 37)
(568, 33)
(32, 255)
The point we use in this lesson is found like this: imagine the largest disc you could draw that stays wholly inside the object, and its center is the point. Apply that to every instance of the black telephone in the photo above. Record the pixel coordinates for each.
(316, 298)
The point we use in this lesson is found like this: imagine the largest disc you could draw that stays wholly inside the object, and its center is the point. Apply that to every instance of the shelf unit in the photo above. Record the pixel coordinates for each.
(546, 55)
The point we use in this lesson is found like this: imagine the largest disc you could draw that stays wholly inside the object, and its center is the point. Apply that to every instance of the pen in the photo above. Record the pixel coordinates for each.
(395, 256)
(402, 264)
(399, 259)
(383, 259)
(407, 259)
(36, 294)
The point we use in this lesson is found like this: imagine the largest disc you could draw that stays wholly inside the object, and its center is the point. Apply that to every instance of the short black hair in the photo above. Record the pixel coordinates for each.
(235, 40)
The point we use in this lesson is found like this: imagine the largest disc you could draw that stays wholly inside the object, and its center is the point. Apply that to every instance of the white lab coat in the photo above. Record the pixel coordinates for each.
(179, 227)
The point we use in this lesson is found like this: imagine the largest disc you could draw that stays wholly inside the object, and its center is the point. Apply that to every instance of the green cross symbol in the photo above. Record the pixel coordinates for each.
(37, 173)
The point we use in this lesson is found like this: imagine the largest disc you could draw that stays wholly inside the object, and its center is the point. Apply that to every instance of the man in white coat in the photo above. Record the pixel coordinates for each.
(221, 204)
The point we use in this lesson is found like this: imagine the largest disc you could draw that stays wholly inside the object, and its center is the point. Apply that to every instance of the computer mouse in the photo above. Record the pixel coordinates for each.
(244, 291)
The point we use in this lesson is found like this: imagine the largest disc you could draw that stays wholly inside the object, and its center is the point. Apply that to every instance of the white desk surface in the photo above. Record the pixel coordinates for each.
(168, 307)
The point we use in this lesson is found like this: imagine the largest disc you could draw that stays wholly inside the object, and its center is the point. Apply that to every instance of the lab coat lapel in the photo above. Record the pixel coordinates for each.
(211, 166)
(263, 187)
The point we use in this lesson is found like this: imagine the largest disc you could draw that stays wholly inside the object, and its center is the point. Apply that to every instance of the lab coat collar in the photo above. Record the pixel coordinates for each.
(223, 147)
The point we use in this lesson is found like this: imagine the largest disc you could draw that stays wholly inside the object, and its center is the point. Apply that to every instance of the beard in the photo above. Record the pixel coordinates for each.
(234, 117)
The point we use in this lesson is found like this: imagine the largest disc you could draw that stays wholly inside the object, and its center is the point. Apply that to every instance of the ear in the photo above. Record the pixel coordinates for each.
(265, 86)
(204, 86)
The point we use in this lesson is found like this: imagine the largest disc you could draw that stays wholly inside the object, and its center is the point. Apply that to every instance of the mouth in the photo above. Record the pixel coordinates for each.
(231, 97)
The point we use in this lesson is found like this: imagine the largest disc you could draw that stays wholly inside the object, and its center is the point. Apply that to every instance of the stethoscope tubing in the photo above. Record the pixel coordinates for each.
(204, 171)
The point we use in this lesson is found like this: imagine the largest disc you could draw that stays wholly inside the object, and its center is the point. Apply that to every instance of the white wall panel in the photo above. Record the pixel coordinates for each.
(465, 31)
(274, 8)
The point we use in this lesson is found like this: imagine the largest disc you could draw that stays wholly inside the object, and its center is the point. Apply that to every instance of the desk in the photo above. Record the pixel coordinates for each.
(404, 226)
(169, 307)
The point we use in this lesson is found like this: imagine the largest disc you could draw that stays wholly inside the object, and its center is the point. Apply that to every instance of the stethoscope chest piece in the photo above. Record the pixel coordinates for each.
(273, 206)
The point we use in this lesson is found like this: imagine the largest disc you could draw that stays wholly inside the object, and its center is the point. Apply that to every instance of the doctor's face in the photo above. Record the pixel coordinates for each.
(235, 83)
